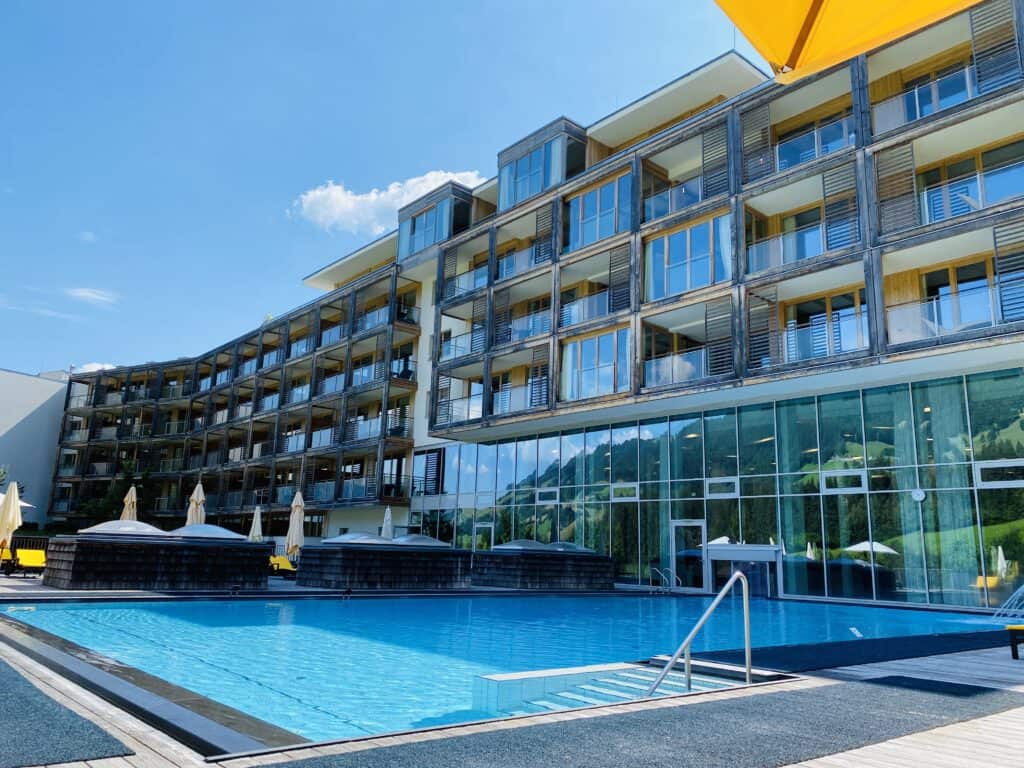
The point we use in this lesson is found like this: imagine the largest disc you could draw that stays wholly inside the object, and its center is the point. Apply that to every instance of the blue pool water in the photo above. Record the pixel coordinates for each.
(329, 668)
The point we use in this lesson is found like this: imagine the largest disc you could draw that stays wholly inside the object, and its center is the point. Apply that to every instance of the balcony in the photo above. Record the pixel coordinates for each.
(213, 459)
(463, 344)
(404, 368)
(787, 248)
(581, 310)
(236, 454)
(971, 193)
(67, 470)
(841, 334)
(105, 433)
(135, 431)
(525, 327)
(939, 317)
(221, 416)
(407, 314)
(332, 384)
(322, 492)
(270, 402)
(262, 449)
(293, 443)
(300, 347)
(511, 400)
(356, 488)
(174, 428)
(298, 394)
(924, 100)
(78, 401)
(198, 423)
(138, 393)
(248, 367)
(677, 368)
(361, 429)
(243, 410)
(395, 486)
(376, 318)
(367, 374)
(274, 357)
(110, 398)
(284, 495)
(167, 503)
(815, 143)
(674, 198)
(222, 377)
(459, 409)
(174, 391)
(330, 336)
(205, 383)
(196, 461)
(466, 282)
(76, 436)
(322, 438)
(515, 263)
(100, 468)
(399, 424)
(232, 499)
(259, 496)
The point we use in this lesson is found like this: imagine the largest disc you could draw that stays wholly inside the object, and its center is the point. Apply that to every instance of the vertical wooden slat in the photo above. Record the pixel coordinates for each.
(840, 192)
(718, 336)
(758, 160)
(995, 46)
(715, 161)
(502, 324)
(1009, 265)
(896, 184)
(539, 375)
(762, 321)
(543, 250)
(478, 337)
(618, 279)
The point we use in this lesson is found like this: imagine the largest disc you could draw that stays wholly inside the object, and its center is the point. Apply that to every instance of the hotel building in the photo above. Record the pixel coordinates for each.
(730, 322)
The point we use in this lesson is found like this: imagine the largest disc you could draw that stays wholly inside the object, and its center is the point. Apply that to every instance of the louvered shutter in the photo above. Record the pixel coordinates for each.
(450, 265)
(840, 192)
(994, 44)
(539, 375)
(758, 160)
(762, 321)
(432, 473)
(1009, 264)
(443, 413)
(897, 198)
(502, 323)
(718, 337)
(543, 246)
(714, 160)
(478, 331)
(618, 279)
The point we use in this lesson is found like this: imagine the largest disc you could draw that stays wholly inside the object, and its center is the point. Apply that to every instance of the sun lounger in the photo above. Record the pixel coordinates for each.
(30, 560)
(282, 566)
(1016, 638)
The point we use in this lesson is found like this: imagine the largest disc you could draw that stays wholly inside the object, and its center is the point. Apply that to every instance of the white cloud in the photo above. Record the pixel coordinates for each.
(334, 206)
(96, 296)
(93, 367)
(35, 309)
(87, 236)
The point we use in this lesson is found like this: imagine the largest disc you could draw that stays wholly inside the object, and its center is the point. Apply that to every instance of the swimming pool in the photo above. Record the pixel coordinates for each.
(332, 669)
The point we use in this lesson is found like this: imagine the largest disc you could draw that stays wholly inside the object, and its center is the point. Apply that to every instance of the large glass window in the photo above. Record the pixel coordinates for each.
(599, 213)
(432, 225)
(530, 174)
(594, 366)
(687, 259)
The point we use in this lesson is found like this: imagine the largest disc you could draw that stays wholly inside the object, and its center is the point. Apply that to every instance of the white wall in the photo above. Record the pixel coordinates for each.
(31, 409)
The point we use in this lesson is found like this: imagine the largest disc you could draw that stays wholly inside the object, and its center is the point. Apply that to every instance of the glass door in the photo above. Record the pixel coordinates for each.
(483, 537)
(689, 564)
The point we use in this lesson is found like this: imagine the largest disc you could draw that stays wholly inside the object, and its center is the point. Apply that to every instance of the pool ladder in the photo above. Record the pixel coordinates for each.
(684, 647)
(666, 583)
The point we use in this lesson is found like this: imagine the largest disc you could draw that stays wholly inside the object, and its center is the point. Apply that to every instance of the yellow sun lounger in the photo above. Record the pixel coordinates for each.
(30, 560)
(282, 566)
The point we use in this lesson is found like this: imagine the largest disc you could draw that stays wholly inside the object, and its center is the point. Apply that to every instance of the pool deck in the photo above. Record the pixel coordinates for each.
(990, 740)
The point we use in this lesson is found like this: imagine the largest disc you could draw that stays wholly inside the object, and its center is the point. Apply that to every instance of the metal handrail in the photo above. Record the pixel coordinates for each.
(684, 647)
(666, 582)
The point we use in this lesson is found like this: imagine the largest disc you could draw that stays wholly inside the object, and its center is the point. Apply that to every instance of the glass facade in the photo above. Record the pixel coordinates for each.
(833, 481)
(531, 174)
(599, 213)
(687, 259)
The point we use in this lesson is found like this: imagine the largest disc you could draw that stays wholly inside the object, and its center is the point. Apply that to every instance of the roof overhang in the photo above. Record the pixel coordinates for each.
(384, 248)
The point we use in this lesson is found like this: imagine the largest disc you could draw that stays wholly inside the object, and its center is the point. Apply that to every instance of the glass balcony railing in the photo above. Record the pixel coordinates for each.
(395, 486)
(237, 453)
(460, 409)
(375, 318)
(78, 401)
(838, 335)
(674, 198)
(407, 313)
(205, 383)
(367, 374)
(973, 192)
(198, 423)
(677, 368)
(298, 394)
(171, 464)
(515, 263)
(525, 327)
(322, 492)
(259, 496)
(248, 367)
(398, 424)
(105, 433)
(137, 393)
(101, 468)
(510, 400)
(273, 357)
(293, 443)
(404, 368)
(178, 427)
(464, 344)
(465, 282)
(362, 429)
(232, 499)
(175, 390)
(284, 495)
(787, 248)
(195, 462)
(581, 310)
(135, 431)
(358, 488)
(167, 503)
(76, 436)
(261, 449)
(322, 438)
(330, 336)
(213, 459)
(220, 417)
(332, 384)
(67, 470)
(924, 100)
(941, 316)
(814, 143)
(270, 402)
(243, 410)
(300, 347)
(222, 377)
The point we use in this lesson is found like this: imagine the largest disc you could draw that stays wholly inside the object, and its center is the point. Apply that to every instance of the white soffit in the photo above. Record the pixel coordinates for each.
(938, 251)
(726, 76)
(347, 267)
(981, 130)
(920, 47)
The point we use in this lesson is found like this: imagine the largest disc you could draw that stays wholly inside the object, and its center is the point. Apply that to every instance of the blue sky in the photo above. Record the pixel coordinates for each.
(169, 172)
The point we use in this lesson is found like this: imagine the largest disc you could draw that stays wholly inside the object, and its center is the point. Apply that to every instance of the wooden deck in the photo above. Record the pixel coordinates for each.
(993, 740)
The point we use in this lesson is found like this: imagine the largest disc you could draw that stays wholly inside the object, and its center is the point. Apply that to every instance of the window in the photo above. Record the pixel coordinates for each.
(687, 259)
(599, 213)
(958, 298)
(427, 227)
(530, 174)
(827, 325)
(596, 365)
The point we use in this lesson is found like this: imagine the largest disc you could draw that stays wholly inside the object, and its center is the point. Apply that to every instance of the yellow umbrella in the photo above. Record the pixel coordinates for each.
(801, 37)
(296, 538)
(196, 506)
(131, 503)
(256, 531)
(10, 515)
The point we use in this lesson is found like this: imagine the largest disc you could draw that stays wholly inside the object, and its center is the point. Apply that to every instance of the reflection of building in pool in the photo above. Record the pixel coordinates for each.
(785, 318)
